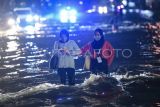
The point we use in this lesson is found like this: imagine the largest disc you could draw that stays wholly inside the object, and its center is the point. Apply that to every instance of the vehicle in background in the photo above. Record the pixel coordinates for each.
(25, 16)
(24, 20)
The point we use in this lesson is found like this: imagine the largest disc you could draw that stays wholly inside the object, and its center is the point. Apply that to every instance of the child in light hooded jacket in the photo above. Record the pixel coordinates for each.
(66, 49)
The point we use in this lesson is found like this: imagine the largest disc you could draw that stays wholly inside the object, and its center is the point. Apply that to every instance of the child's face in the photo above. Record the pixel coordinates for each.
(97, 36)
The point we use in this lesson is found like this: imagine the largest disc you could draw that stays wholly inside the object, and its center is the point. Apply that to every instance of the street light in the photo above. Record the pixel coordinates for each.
(102, 10)
(68, 15)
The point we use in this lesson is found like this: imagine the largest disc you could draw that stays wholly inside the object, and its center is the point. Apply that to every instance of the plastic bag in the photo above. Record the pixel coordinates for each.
(87, 62)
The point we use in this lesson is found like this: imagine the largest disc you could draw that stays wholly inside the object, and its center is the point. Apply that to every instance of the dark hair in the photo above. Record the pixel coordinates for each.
(98, 44)
(64, 32)
(100, 31)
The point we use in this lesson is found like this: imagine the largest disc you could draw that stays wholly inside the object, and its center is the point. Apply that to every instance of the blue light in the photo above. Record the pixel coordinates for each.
(131, 10)
(111, 0)
(81, 2)
(124, 2)
(68, 15)
(124, 11)
(137, 10)
(131, 4)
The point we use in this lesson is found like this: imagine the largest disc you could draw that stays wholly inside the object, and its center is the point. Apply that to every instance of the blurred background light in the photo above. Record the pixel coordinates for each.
(63, 16)
(36, 17)
(11, 22)
(81, 2)
(30, 29)
(102, 10)
(68, 15)
(29, 18)
(131, 10)
(124, 2)
(131, 4)
(124, 11)
(105, 10)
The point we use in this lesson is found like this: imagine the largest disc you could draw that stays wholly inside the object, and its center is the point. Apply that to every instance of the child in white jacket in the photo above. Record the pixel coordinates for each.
(66, 50)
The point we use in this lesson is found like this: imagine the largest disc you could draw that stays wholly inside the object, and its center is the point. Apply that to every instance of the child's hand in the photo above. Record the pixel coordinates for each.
(64, 51)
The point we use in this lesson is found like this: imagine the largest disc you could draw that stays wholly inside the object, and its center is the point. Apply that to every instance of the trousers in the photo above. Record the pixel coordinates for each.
(67, 73)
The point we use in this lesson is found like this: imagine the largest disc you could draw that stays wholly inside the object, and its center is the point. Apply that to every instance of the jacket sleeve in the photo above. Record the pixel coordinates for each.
(85, 48)
(76, 48)
(108, 52)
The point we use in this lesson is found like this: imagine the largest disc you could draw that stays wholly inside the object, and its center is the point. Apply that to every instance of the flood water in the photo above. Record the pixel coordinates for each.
(134, 78)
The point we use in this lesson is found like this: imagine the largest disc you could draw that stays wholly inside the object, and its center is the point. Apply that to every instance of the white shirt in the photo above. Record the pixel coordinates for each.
(66, 60)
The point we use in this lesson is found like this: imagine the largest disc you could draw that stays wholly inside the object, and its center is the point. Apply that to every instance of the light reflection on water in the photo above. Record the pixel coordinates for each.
(24, 73)
(12, 46)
